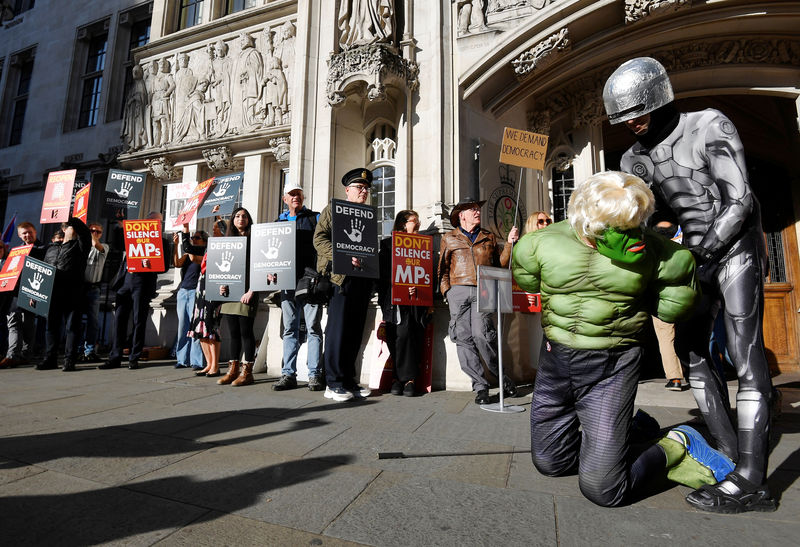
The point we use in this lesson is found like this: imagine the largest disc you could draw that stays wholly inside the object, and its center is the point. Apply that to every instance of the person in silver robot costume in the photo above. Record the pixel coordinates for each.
(695, 160)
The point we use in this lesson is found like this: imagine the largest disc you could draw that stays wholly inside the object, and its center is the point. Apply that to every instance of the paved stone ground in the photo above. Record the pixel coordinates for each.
(157, 456)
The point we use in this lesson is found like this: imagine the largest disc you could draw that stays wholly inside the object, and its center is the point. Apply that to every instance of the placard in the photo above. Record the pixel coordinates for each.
(226, 266)
(197, 197)
(222, 197)
(354, 233)
(124, 190)
(81, 208)
(36, 286)
(143, 243)
(57, 197)
(273, 256)
(412, 266)
(178, 194)
(12, 267)
(525, 302)
(493, 284)
(523, 148)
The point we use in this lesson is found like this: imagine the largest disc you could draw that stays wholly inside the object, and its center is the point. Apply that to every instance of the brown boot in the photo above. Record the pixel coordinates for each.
(246, 377)
(230, 376)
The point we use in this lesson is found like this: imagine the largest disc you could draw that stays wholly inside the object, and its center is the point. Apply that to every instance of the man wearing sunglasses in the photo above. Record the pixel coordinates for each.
(95, 263)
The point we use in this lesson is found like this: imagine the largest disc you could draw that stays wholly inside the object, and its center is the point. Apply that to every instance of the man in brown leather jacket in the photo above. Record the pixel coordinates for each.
(463, 249)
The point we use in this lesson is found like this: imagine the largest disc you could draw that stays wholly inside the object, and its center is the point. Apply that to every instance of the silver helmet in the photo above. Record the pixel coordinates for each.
(636, 88)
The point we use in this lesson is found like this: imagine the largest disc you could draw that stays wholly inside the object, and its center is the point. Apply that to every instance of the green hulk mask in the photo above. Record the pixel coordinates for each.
(624, 246)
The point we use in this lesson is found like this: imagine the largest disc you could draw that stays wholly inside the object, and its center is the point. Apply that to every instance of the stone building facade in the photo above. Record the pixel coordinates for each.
(420, 92)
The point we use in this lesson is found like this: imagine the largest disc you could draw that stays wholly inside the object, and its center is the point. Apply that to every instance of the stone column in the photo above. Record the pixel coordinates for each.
(254, 184)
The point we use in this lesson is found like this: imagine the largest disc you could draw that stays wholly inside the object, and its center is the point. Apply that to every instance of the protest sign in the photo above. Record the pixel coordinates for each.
(354, 233)
(525, 302)
(412, 266)
(143, 245)
(226, 269)
(12, 267)
(222, 196)
(57, 197)
(197, 197)
(81, 208)
(178, 194)
(523, 148)
(124, 191)
(272, 257)
(36, 286)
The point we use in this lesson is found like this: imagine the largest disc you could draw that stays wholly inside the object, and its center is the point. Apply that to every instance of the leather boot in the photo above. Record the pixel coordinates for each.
(246, 377)
(230, 376)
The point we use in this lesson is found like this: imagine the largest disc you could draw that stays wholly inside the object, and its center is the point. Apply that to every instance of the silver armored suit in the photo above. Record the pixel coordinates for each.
(699, 170)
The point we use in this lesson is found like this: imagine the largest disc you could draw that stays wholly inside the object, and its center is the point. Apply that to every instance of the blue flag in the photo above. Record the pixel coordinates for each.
(9, 233)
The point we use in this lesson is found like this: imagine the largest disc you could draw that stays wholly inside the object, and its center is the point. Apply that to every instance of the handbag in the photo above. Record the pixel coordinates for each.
(315, 287)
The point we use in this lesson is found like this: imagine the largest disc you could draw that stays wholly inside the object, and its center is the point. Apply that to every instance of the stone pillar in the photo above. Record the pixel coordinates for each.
(254, 179)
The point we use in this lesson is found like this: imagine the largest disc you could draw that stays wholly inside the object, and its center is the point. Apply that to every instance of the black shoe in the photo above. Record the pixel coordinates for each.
(408, 389)
(509, 387)
(734, 494)
(47, 365)
(213, 374)
(316, 383)
(69, 366)
(109, 365)
(397, 388)
(133, 365)
(482, 397)
(286, 382)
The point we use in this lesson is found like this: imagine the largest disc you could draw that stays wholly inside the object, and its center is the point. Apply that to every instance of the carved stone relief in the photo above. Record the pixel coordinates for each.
(364, 22)
(238, 84)
(503, 10)
(542, 54)
(161, 168)
(471, 16)
(636, 10)
(219, 158)
(376, 65)
(280, 149)
(539, 121)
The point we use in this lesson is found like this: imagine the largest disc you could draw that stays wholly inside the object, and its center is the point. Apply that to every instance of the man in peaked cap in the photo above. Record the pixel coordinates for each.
(463, 249)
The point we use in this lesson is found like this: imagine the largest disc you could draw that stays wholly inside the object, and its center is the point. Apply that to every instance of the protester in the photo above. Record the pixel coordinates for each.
(134, 291)
(296, 310)
(463, 249)
(188, 352)
(347, 310)
(22, 323)
(69, 258)
(5, 300)
(240, 316)
(696, 161)
(405, 325)
(537, 220)
(91, 291)
(204, 323)
(601, 276)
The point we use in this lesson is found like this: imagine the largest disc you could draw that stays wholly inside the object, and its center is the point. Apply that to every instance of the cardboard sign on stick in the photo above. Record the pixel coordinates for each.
(143, 243)
(57, 197)
(354, 233)
(412, 266)
(81, 208)
(36, 286)
(124, 191)
(12, 267)
(523, 148)
(197, 197)
(178, 194)
(222, 196)
(272, 256)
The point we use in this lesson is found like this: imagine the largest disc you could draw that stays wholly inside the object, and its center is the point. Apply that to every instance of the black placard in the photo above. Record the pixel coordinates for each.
(124, 191)
(36, 286)
(226, 266)
(221, 199)
(354, 233)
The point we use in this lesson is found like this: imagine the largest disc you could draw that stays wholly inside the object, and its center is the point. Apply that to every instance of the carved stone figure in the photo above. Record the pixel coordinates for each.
(251, 75)
(220, 81)
(470, 16)
(149, 83)
(163, 88)
(274, 94)
(284, 50)
(191, 125)
(185, 84)
(134, 132)
(363, 22)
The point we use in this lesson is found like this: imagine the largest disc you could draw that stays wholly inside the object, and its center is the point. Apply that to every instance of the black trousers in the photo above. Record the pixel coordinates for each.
(240, 329)
(63, 312)
(405, 341)
(347, 313)
(131, 300)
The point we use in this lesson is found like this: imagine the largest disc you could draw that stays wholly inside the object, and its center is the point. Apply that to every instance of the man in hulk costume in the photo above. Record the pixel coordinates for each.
(601, 276)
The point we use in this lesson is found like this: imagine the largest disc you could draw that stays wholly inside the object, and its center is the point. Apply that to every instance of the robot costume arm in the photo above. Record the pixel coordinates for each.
(726, 167)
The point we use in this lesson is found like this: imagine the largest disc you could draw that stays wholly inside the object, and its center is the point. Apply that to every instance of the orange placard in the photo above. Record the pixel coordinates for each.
(143, 243)
(57, 196)
(195, 201)
(81, 208)
(412, 266)
(523, 148)
(13, 267)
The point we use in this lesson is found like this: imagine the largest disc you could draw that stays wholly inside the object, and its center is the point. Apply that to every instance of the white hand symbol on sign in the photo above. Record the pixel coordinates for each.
(222, 189)
(272, 250)
(357, 229)
(225, 267)
(36, 282)
(124, 189)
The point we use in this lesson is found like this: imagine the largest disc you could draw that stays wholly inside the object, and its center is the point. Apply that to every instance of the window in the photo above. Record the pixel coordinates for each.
(232, 6)
(191, 13)
(93, 81)
(383, 198)
(133, 32)
(139, 36)
(19, 101)
(563, 185)
(21, 6)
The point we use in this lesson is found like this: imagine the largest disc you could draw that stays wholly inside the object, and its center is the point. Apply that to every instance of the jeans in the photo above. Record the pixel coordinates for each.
(21, 332)
(312, 315)
(187, 350)
(91, 304)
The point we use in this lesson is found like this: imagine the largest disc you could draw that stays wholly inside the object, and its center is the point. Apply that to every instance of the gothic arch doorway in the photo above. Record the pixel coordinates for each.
(768, 128)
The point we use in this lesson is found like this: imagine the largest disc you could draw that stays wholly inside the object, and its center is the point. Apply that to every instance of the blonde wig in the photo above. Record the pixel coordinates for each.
(609, 199)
